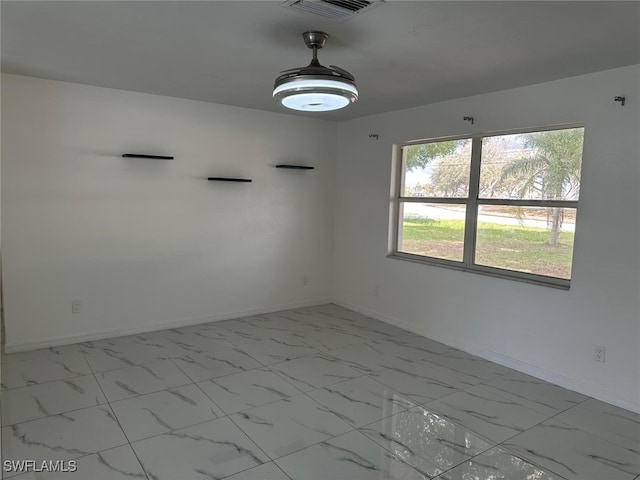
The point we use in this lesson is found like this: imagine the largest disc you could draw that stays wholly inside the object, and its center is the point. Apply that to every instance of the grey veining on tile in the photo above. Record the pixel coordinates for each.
(351, 456)
(64, 436)
(212, 365)
(427, 346)
(534, 393)
(42, 369)
(141, 379)
(215, 330)
(148, 415)
(574, 454)
(278, 322)
(471, 365)
(252, 331)
(285, 426)
(614, 424)
(315, 371)
(277, 350)
(184, 341)
(119, 463)
(28, 403)
(52, 353)
(498, 464)
(324, 339)
(405, 352)
(361, 401)
(430, 443)
(266, 471)
(422, 381)
(492, 416)
(245, 390)
(210, 450)
(368, 357)
(107, 355)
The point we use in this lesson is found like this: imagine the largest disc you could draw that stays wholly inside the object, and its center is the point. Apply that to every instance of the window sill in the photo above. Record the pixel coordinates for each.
(556, 283)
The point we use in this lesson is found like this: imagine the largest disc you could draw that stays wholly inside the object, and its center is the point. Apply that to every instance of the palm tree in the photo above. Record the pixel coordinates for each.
(551, 171)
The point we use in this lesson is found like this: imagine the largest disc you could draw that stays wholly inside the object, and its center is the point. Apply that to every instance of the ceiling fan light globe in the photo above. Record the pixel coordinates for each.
(315, 95)
(315, 102)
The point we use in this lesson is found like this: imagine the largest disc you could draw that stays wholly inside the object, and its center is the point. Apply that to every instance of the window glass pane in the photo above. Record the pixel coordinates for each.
(532, 166)
(432, 230)
(437, 169)
(526, 239)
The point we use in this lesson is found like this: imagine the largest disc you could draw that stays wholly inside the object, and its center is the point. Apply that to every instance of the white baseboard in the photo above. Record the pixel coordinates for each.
(556, 378)
(185, 322)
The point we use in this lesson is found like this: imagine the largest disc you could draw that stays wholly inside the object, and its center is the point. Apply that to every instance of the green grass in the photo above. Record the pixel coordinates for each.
(513, 247)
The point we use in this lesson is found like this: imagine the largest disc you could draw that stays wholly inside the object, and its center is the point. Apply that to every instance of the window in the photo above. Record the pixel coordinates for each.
(500, 204)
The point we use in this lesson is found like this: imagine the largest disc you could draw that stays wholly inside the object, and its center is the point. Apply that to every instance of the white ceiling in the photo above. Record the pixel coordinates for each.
(402, 54)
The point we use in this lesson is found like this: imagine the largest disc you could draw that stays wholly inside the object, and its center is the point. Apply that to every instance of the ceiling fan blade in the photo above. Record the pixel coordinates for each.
(343, 72)
(290, 70)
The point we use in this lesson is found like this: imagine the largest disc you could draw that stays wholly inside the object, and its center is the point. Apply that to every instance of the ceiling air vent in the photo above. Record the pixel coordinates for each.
(336, 10)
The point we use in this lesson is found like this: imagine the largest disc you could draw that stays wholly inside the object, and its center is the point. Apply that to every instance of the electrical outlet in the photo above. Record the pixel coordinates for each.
(599, 353)
(376, 291)
(305, 280)
(75, 306)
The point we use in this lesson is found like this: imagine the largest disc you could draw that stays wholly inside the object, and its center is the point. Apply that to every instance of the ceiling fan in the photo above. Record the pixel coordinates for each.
(315, 88)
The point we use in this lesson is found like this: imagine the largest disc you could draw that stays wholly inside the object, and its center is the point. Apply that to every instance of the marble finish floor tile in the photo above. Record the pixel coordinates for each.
(119, 463)
(427, 346)
(227, 361)
(325, 340)
(429, 443)
(360, 401)
(245, 390)
(498, 464)
(277, 322)
(252, 331)
(29, 403)
(105, 355)
(62, 437)
(471, 365)
(52, 353)
(422, 381)
(486, 413)
(369, 332)
(405, 352)
(215, 330)
(149, 415)
(277, 350)
(308, 391)
(42, 369)
(210, 450)
(315, 371)
(351, 456)
(288, 425)
(141, 379)
(614, 424)
(574, 454)
(534, 393)
(177, 342)
(368, 357)
(266, 471)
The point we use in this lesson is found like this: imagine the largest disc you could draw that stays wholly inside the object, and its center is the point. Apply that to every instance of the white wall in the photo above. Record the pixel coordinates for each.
(543, 331)
(147, 243)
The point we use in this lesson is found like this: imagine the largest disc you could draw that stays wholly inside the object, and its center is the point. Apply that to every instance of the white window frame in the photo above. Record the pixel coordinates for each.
(472, 202)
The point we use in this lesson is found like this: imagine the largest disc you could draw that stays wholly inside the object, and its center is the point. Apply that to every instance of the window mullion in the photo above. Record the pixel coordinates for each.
(470, 225)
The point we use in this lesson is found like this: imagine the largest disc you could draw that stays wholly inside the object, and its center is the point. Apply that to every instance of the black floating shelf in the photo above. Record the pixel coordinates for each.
(227, 179)
(139, 155)
(295, 167)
